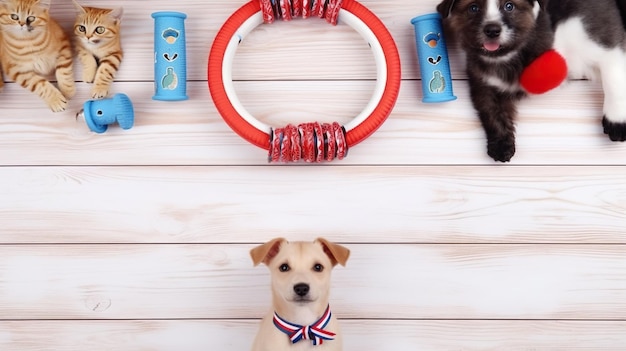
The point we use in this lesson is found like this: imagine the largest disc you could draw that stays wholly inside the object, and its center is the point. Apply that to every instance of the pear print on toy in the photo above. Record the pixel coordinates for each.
(170, 80)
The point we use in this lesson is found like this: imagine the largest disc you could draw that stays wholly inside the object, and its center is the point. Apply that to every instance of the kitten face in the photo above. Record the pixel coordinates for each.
(24, 17)
(95, 27)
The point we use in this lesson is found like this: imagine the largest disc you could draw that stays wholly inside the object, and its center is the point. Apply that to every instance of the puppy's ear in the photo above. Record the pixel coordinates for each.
(266, 252)
(445, 8)
(336, 252)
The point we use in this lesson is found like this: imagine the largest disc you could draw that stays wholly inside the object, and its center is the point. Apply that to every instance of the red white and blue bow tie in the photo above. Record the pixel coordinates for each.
(314, 332)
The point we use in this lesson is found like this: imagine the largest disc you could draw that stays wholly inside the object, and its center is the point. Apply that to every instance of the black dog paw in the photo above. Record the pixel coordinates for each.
(501, 150)
(615, 131)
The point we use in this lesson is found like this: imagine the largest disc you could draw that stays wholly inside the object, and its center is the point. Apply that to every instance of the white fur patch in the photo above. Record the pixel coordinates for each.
(588, 59)
(501, 85)
(536, 9)
(582, 54)
(613, 73)
(493, 11)
(500, 59)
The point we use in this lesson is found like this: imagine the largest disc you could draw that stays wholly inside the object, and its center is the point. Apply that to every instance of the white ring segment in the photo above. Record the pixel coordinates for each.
(353, 21)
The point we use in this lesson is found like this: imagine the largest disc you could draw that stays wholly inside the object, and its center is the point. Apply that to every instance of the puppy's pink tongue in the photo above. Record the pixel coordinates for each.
(491, 46)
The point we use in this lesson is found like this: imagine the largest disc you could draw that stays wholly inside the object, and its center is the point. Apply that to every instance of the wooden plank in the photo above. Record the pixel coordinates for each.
(393, 281)
(369, 204)
(139, 239)
(366, 335)
(563, 128)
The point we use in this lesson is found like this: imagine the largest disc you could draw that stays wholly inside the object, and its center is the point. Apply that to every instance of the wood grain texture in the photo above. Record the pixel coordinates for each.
(202, 335)
(381, 281)
(561, 129)
(370, 204)
(139, 239)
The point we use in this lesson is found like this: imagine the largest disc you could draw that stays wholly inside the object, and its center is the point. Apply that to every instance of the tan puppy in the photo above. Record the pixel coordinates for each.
(300, 318)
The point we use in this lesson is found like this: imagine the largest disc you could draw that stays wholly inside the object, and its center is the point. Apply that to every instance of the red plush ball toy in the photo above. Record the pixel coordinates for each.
(547, 72)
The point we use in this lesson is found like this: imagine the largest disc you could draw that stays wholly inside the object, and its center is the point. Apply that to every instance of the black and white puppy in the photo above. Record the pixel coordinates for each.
(502, 37)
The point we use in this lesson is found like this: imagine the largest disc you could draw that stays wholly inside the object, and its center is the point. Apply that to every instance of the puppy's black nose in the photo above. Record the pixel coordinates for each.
(492, 30)
(301, 289)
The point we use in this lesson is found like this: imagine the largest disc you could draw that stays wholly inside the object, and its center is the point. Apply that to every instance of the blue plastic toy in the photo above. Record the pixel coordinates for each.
(99, 114)
(170, 56)
(432, 54)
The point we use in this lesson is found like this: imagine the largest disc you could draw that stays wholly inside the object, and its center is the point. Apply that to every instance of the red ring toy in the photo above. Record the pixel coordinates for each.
(252, 14)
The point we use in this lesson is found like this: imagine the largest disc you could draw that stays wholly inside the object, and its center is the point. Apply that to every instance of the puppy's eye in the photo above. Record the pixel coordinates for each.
(509, 7)
(473, 9)
(318, 267)
(284, 267)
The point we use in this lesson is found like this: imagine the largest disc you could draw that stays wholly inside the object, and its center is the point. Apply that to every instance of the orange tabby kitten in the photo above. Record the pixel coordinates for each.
(32, 47)
(97, 34)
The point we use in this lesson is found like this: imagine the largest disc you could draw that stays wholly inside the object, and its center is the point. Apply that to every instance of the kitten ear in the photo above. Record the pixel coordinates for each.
(45, 4)
(116, 13)
(79, 8)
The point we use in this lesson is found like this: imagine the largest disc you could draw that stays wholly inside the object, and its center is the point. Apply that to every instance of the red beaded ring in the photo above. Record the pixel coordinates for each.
(311, 142)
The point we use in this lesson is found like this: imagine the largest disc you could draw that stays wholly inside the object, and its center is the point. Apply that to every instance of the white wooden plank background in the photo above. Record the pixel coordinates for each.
(195, 335)
(139, 239)
(426, 204)
(414, 282)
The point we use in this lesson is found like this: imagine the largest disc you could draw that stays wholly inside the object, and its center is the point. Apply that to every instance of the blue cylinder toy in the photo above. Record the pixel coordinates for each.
(99, 114)
(432, 54)
(170, 56)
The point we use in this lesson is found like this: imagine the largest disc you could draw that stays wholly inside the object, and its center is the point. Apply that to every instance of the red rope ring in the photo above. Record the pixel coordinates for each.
(291, 143)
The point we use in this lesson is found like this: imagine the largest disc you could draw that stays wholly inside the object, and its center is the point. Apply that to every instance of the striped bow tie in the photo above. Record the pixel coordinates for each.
(314, 332)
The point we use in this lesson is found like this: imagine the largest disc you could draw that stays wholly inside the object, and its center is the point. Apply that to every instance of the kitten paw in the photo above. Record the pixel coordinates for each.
(99, 93)
(58, 104)
(615, 130)
(501, 150)
(89, 76)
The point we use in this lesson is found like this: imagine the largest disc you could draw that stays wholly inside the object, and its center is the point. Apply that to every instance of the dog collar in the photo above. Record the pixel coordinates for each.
(314, 332)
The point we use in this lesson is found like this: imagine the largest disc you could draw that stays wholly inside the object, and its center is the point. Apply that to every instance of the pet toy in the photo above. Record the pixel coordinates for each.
(311, 142)
(99, 114)
(432, 54)
(545, 73)
(170, 63)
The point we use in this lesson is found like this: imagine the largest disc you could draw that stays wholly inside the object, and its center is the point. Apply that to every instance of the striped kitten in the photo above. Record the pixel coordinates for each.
(97, 35)
(33, 46)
